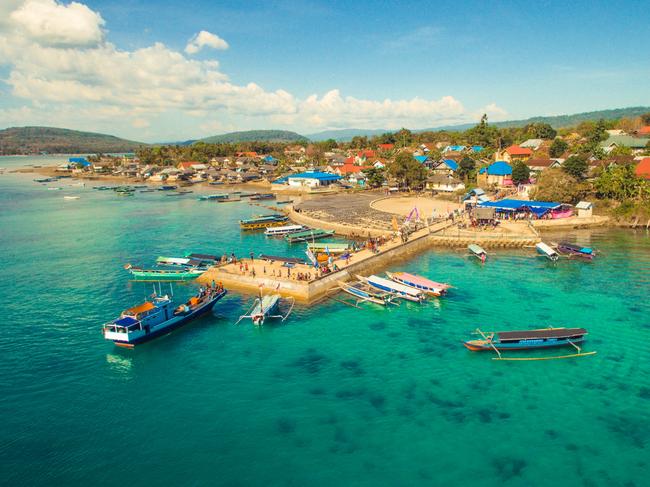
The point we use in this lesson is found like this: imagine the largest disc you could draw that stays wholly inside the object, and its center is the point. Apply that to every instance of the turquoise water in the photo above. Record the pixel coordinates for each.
(335, 395)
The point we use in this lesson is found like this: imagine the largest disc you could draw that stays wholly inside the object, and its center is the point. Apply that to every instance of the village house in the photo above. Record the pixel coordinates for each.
(385, 147)
(446, 167)
(513, 153)
(444, 183)
(643, 131)
(499, 173)
(533, 144)
(642, 169)
(637, 144)
(585, 209)
(541, 163)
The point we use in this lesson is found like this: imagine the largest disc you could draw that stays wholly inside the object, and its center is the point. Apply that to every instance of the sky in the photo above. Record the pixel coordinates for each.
(163, 70)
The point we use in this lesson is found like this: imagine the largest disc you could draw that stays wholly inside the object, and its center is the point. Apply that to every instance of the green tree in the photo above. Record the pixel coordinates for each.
(540, 130)
(620, 183)
(558, 147)
(520, 172)
(359, 142)
(482, 134)
(408, 171)
(645, 118)
(403, 137)
(575, 166)
(557, 185)
(466, 167)
(375, 176)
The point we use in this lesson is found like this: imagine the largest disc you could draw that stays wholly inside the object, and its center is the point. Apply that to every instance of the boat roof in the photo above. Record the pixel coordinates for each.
(415, 279)
(264, 218)
(281, 229)
(476, 248)
(395, 285)
(544, 333)
(141, 308)
(330, 245)
(309, 233)
(546, 248)
(126, 321)
(203, 257)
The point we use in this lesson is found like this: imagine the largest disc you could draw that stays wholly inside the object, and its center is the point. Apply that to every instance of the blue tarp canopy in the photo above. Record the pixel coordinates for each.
(421, 159)
(321, 176)
(537, 207)
(126, 321)
(79, 160)
(451, 164)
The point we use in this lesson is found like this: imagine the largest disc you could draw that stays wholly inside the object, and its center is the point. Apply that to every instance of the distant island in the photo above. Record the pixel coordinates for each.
(256, 136)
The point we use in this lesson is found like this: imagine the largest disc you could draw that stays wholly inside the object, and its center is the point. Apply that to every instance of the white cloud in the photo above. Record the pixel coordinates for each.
(52, 23)
(493, 111)
(77, 79)
(205, 39)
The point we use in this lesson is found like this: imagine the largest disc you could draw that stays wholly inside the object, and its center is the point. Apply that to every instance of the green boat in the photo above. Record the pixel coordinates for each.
(165, 275)
(308, 235)
(333, 247)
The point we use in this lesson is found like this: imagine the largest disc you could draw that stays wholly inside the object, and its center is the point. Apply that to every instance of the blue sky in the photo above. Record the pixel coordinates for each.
(317, 65)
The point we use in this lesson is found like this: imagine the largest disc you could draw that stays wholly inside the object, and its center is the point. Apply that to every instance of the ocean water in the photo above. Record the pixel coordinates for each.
(335, 395)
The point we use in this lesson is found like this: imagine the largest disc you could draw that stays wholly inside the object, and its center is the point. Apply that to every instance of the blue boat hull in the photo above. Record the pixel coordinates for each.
(183, 321)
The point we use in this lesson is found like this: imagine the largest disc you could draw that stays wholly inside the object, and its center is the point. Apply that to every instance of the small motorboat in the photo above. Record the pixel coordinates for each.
(418, 282)
(395, 288)
(265, 307)
(547, 251)
(573, 250)
(478, 252)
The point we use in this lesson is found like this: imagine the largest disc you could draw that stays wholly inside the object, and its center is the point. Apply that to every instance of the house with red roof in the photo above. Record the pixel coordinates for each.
(515, 153)
(644, 130)
(642, 169)
(386, 147)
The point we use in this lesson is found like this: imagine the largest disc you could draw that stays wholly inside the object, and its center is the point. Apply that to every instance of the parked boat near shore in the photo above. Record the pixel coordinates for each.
(266, 307)
(364, 292)
(187, 274)
(573, 250)
(547, 251)
(211, 197)
(418, 282)
(308, 235)
(284, 230)
(400, 290)
(478, 252)
(332, 247)
(263, 221)
(158, 317)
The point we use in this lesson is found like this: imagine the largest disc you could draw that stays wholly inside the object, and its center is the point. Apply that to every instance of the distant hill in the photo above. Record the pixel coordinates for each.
(556, 121)
(32, 140)
(256, 136)
(345, 135)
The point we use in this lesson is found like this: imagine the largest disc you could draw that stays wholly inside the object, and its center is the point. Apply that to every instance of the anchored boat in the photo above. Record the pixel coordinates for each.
(210, 197)
(477, 251)
(263, 221)
(419, 282)
(284, 230)
(308, 235)
(187, 274)
(267, 307)
(576, 250)
(547, 251)
(263, 196)
(157, 317)
(400, 290)
(364, 292)
(331, 247)
(529, 339)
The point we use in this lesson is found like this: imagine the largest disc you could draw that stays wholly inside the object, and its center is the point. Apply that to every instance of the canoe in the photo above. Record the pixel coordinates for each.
(365, 292)
(400, 290)
(547, 251)
(419, 282)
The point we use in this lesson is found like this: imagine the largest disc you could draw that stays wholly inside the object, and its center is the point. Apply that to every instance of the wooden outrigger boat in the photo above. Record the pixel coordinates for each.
(308, 235)
(365, 293)
(576, 250)
(264, 221)
(418, 282)
(547, 251)
(266, 307)
(141, 274)
(283, 230)
(167, 188)
(399, 290)
(331, 247)
(262, 196)
(529, 339)
(158, 317)
(478, 252)
(211, 197)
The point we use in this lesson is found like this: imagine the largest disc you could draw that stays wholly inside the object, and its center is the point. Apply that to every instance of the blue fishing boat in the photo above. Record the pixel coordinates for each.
(158, 317)
(529, 339)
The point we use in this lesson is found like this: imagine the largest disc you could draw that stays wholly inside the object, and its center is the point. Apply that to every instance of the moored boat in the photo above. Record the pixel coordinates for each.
(547, 251)
(167, 187)
(576, 250)
(263, 221)
(211, 197)
(501, 341)
(263, 196)
(400, 290)
(331, 247)
(283, 230)
(418, 282)
(266, 307)
(187, 274)
(157, 317)
(364, 292)
(477, 251)
(173, 261)
(308, 235)
(71, 197)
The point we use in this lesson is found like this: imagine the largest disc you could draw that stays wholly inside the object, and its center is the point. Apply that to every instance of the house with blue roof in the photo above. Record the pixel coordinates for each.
(454, 148)
(499, 173)
(308, 179)
(79, 161)
(270, 160)
(446, 167)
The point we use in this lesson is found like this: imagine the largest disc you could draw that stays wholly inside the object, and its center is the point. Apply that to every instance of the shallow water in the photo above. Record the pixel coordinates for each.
(335, 395)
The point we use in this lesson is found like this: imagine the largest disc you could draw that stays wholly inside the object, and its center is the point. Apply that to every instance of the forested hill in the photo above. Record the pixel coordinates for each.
(562, 121)
(256, 136)
(33, 140)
